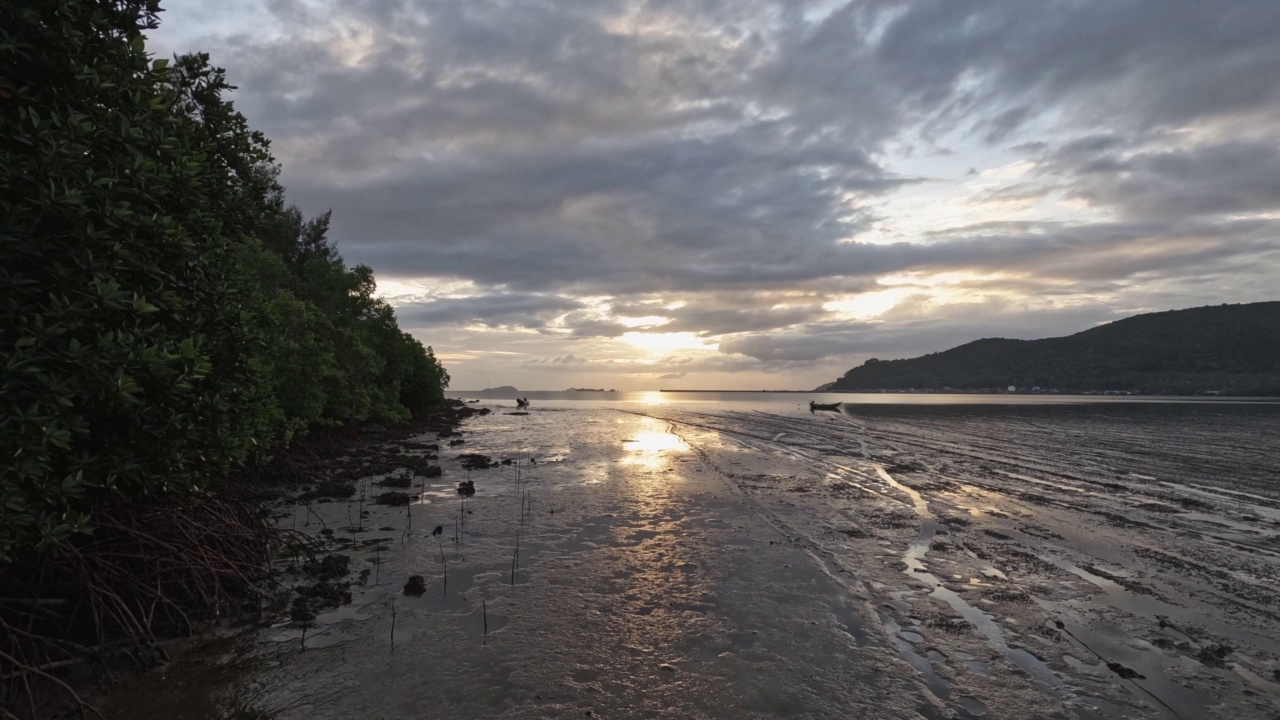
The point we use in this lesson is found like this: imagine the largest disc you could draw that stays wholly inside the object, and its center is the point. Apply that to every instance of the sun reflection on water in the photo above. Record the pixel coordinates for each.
(646, 447)
(652, 397)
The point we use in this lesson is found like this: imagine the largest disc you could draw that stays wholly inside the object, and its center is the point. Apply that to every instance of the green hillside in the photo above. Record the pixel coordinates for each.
(1228, 349)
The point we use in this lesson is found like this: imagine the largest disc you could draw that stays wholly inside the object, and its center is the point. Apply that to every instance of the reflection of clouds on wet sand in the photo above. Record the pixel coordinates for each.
(645, 586)
(1117, 528)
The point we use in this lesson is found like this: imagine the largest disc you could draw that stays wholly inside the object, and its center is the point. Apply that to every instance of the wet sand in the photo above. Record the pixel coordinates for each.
(882, 563)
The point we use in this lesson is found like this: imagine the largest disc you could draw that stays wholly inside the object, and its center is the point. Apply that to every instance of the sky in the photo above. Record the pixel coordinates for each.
(744, 194)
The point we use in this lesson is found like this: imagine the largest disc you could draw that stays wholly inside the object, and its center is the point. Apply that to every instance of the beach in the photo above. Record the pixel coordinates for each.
(647, 559)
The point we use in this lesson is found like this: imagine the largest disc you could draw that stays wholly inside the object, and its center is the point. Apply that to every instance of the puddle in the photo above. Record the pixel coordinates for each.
(938, 686)
(972, 664)
(973, 706)
(1042, 674)
(316, 639)
(1109, 643)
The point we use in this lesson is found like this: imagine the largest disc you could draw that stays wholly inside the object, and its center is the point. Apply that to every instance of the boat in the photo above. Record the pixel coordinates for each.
(522, 402)
(824, 406)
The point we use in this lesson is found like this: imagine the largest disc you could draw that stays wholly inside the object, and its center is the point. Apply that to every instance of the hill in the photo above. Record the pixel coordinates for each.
(1224, 349)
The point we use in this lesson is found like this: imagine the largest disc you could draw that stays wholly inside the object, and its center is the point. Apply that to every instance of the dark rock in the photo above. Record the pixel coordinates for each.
(1125, 672)
(331, 567)
(439, 529)
(400, 481)
(394, 499)
(1214, 655)
(416, 586)
(329, 490)
(326, 594)
(476, 461)
(300, 611)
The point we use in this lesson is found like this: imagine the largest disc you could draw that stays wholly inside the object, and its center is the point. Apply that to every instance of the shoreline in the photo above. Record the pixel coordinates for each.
(725, 564)
(1081, 397)
(251, 493)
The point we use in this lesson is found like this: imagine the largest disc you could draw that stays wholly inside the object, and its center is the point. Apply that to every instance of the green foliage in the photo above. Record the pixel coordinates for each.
(336, 354)
(164, 316)
(1228, 349)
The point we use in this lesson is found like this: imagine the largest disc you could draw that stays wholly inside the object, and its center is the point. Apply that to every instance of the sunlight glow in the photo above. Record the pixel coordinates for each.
(647, 447)
(647, 320)
(651, 443)
(666, 342)
(425, 289)
(867, 305)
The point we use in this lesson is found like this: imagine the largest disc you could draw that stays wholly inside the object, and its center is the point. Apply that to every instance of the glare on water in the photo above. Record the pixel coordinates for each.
(648, 446)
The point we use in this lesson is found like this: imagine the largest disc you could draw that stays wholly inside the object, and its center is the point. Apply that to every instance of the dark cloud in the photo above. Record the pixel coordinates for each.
(1032, 147)
(587, 325)
(1100, 251)
(710, 320)
(1000, 126)
(493, 310)
(1207, 179)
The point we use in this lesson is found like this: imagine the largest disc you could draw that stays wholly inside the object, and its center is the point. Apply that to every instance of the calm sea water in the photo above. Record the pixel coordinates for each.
(777, 401)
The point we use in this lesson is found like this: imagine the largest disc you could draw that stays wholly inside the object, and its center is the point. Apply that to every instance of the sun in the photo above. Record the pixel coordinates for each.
(667, 342)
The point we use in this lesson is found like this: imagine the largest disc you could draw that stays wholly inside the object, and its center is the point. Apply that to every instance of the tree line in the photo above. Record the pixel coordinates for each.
(165, 314)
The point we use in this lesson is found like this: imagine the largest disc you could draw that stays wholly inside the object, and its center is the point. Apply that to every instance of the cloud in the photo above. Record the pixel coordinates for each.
(916, 328)
(1204, 179)
(589, 325)
(706, 319)
(493, 310)
(733, 167)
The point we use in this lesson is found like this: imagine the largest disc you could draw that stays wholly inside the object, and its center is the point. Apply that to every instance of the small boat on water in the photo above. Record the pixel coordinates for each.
(824, 406)
(522, 402)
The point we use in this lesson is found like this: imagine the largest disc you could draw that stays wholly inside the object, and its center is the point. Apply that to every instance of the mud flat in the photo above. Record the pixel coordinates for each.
(645, 562)
(1115, 561)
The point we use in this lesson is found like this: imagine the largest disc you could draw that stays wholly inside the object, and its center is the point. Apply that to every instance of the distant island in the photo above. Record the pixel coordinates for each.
(1216, 350)
(501, 389)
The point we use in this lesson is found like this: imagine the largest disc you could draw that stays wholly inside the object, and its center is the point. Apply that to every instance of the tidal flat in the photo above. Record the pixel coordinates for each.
(726, 560)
